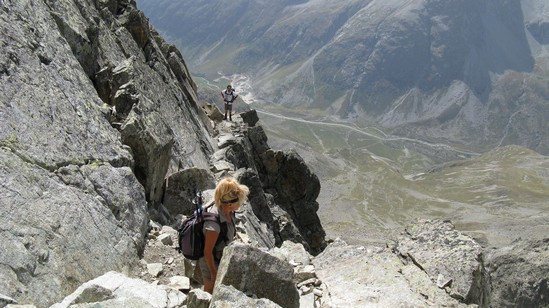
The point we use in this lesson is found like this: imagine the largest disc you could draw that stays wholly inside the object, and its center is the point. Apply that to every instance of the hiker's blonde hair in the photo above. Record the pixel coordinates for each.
(230, 189)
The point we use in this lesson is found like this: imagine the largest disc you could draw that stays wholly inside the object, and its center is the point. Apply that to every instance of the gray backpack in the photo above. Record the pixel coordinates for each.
(191, 236)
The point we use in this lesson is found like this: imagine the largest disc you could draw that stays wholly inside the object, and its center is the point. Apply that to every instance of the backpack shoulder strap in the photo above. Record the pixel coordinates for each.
(209, 216)
(209, 206)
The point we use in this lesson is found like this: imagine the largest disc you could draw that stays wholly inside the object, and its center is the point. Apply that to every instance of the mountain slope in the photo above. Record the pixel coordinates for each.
(466, 72)
(373, 186)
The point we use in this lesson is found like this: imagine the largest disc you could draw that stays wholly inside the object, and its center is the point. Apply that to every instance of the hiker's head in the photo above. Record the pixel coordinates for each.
(229, 87)
(230, 193)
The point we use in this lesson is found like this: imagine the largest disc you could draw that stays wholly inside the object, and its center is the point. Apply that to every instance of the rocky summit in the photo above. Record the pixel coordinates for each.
(103, 146)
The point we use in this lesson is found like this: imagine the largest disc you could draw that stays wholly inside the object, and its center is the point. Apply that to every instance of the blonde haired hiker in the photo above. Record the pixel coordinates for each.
(229, 196)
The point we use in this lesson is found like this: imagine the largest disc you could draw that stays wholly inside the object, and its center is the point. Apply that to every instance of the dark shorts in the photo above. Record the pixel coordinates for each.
(228, 106)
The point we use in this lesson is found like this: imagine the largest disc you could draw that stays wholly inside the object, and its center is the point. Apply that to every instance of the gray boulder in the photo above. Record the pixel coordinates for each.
(198, 298)
(116, 290)
(250, 117)
(519, 275)
(228, 296)
(182, 186)
(358, 276)
(213, 112)
(451, 258)
(258, 138)
(257, 273)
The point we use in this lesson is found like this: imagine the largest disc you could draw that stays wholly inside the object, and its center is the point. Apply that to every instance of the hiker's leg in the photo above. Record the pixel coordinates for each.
(206, 275)
(208, 285)
(226, 108)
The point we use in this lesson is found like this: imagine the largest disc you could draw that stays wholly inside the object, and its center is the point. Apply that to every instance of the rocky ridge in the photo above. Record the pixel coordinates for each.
(429, 265)
(99, 119)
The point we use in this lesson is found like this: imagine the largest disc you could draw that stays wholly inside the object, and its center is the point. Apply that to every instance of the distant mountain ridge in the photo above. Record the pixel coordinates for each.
(472, 73)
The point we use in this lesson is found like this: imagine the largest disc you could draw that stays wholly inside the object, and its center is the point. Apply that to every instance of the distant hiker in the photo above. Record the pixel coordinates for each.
(229, 196)
(229, 96)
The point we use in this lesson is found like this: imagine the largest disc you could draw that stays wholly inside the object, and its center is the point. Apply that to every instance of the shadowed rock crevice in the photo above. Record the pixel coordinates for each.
(83, 42)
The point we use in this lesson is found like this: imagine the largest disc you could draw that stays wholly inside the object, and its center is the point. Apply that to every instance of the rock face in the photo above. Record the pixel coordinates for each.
(452, 259)
(376, 277)
(116, 290)
(284, 190)
(519, 275)
(96, 111)
(251, 270)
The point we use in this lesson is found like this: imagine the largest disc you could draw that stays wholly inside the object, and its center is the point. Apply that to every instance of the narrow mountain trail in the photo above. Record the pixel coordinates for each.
(381, 136)
(508, 127)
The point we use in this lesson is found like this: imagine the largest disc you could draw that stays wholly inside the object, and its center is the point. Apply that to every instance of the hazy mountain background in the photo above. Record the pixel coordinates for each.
(468, 72)
(392, 102)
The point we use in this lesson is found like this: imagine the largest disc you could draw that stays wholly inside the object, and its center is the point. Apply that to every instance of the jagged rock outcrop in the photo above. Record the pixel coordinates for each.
(228, 296)
(283, 188)
(250, 117)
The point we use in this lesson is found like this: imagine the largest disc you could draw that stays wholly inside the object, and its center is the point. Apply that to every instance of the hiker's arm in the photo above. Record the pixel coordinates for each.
(222, 95)
(209, 244)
